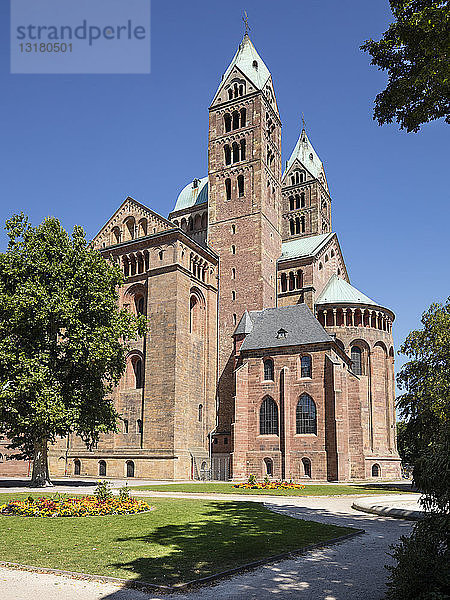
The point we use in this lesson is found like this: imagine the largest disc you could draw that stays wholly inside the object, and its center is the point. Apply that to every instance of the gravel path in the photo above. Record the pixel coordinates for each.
(352, 570)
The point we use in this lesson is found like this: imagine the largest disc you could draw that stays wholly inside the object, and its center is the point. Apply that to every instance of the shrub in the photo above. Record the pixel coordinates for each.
(103, 491)
(124, 493)
(422, 570)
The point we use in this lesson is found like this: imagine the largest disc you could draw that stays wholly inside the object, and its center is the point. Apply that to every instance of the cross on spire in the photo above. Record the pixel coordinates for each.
(303, 122)
(245, 21)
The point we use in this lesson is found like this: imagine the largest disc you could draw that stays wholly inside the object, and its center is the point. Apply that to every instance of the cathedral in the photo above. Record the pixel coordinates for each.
(260, 357)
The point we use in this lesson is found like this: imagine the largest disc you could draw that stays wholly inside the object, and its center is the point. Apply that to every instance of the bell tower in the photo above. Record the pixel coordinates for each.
(244, 202)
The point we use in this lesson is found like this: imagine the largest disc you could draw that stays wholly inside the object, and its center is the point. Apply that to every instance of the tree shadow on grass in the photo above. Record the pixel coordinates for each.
(231, 534)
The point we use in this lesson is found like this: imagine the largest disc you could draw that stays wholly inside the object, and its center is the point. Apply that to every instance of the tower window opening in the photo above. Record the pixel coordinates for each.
(241, 186)
(292, 226)
(227, 122)
(297, 201)
(228, 188)
(291, 203)
(233, 249)
(227, 154)
(255, 64)
(242, 149)
(235, 120)
(235, 152)
(243, 117)
(303, 200)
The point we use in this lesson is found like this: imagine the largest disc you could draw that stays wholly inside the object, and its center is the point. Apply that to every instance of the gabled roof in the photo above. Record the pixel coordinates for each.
(299, 323)
(338, 290)
(191, 196)
(306, 246)
(245, 325)
(244, 60)
(303, 151)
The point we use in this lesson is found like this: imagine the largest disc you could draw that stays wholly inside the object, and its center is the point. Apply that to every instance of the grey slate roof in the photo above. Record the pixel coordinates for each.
(191, 196)
(299, 322)
(303, 151)
(307, 246)
(338, 290)
(245, 324)
(250, 63)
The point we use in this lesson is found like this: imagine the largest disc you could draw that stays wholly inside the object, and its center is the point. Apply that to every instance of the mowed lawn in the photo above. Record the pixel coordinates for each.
(308, 490)
(179, 541)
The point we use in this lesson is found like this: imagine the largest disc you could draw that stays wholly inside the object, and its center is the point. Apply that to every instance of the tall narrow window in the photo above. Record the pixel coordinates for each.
(292, 226)
(139, 426)
(228, 188)
(243, 117)
(233, 249)
(356, 356)
(306, 416)
(242, 149)
(200, 412)
(299, 279)
(130, 468)
(268, 370)
(302, 225)
(296, 178)
(76, 467)
(125, 425)
(227, 154)
(291, 203)
(102, 468)
(235, 120)
(137, 366)
(306, 467)
(240, 185)
(140, 305)
(306, 366)
(302, 200)
(283, 282)
(230, 94)
(227, 121)
(375, 470)
(233, 295)
(233, 273)
(268, 417)
(235, 152)
(268, 462)
(291, 281)
(297, 201)
(297, 225)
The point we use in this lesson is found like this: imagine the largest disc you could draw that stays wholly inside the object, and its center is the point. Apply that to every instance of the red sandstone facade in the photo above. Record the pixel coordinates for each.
(212, 390)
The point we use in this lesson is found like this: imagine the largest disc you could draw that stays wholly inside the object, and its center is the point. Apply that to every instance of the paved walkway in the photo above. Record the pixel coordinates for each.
(351, 570)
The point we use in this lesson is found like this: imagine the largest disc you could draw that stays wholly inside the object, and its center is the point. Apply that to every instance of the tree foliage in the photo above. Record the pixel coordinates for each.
(61, 339)
(422, 569)
(415, 53)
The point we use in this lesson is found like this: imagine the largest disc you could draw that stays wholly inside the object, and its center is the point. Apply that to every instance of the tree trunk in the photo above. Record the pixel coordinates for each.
(40, 476)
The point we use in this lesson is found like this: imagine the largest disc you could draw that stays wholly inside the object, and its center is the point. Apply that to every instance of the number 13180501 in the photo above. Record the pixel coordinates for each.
(45, 47)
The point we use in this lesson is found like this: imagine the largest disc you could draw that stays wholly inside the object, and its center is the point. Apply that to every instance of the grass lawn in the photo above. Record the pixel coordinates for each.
(179, 541)
(309, 490)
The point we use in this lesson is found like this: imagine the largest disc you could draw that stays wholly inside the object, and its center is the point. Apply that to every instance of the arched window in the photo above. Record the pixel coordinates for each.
(243, 117)
(139, 426)
(235, 90)
(268, 417)
(140, 305)
(296, 178)
(297, 201)
(230, 94)
(356, 356)
(115, 236)
(306, 467)
(200, 412)
(283, 282)
(302, 225)
(291, 281)
(292, 180)
(268, 370)
(228, 188)
(130, 468)
(302, 177)
(292, 226)
(242, 149)
(125, 425)
(299, 279)
(297, 225)
(196, 313)
(233, 273)
(76, 467)
(376, 471)
(240, 180)
(102, 468)
(227, 122)
(306, 418)
(235, 152)
(227, 153)
(291, 203)
(233, 249)
(235, 120)
(302, 200)
(306, 366)
(130, 228)
(268, 463)
(137, 367)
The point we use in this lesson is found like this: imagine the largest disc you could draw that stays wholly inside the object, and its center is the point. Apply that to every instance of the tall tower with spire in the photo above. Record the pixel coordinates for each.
(305, 196)
(244, 201)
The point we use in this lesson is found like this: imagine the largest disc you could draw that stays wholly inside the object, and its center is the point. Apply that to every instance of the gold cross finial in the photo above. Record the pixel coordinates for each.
(303, 122)
(246, 25)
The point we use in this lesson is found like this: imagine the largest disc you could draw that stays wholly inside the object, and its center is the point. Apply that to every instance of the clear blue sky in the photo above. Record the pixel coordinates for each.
(74, 146)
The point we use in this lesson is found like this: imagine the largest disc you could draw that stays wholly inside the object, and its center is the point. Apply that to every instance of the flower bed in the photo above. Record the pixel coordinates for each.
(85, 506)
(269, 485)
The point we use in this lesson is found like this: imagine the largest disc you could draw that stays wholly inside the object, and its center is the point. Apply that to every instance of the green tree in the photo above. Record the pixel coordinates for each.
(61, 339)
(422, 564)
(415, 53)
